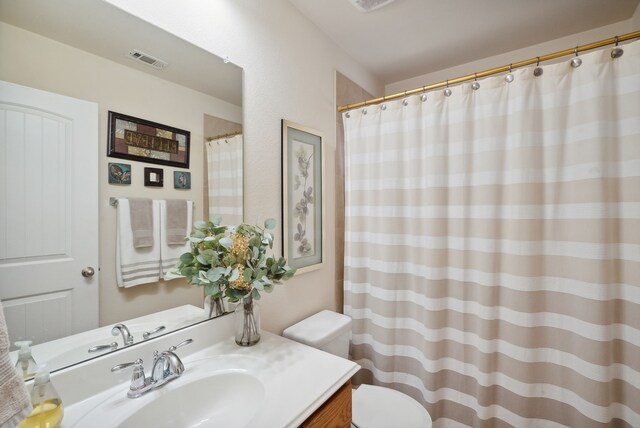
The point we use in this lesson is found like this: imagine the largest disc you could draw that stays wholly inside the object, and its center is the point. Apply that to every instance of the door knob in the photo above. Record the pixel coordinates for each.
(88, 272)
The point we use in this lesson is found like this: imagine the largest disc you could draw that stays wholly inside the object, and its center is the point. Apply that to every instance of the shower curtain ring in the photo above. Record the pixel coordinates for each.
(616, 52)
(423, 96)
(509, 77)
(577, 61)
(538, 70)
(447, 92)
(405, 102)
(475, 85)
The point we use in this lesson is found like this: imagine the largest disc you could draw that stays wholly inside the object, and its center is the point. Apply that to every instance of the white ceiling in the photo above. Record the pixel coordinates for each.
(409, 38)
(104, 30)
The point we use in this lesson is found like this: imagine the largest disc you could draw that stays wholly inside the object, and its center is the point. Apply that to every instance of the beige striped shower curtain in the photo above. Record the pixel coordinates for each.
(224, 169)
(492, 247)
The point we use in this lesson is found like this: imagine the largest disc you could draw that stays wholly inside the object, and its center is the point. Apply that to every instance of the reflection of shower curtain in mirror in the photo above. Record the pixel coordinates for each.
(224, 162)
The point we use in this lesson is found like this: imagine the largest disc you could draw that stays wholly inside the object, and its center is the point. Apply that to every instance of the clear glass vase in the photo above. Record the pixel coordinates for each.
(215, 305)
(247, 321)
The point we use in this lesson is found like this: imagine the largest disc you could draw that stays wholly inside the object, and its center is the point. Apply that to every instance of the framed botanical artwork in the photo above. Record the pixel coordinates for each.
(145, 141)
(302, 197)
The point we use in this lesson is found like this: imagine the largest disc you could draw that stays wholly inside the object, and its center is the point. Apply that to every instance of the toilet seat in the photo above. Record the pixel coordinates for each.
(379, 407)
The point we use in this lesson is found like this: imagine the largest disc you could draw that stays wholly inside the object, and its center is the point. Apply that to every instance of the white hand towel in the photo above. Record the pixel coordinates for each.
(136, 266)
(170, 254)
(15, 404)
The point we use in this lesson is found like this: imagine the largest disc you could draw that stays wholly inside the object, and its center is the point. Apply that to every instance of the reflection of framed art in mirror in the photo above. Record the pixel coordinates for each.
(154, 177)
(145, 141)
(302, 196)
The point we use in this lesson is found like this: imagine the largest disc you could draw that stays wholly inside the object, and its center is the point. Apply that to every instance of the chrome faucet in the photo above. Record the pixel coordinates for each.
(166, 367)
(127, 337)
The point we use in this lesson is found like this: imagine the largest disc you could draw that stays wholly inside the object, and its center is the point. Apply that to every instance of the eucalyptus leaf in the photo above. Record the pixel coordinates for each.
(216, 273)
(186, 258)
(256, 294)
(246, 275)
(270, 223)
(212, 289)
(200, 224)
(202, 276)
(216, 219)
(235, 274)
(226, 242)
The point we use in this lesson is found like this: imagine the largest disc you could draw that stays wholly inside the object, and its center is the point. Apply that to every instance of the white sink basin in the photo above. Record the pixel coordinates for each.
(225, 399)
(274, 384)
(222, 390)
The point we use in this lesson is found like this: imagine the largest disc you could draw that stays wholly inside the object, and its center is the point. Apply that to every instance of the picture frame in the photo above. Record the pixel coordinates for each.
(141, 140)
(119, 173)
(154, 177)
(181, 180)
(302, 197)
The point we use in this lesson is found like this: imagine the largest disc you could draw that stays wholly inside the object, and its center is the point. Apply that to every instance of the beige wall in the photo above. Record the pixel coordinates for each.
(58, 68)
(514, 56)
(635, 20)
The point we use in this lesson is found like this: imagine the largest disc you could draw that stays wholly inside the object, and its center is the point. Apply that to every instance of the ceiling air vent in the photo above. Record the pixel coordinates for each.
(369, 5)
(147, 59)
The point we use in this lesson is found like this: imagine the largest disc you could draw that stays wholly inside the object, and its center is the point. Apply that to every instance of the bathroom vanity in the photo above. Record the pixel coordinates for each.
(276, 383)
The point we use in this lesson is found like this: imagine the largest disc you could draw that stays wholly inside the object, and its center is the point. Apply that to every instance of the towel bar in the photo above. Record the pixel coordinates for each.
(113, 201)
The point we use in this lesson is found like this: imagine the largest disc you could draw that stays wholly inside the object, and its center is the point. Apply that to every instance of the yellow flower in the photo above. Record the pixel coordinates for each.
(239, 247)
(239, 283)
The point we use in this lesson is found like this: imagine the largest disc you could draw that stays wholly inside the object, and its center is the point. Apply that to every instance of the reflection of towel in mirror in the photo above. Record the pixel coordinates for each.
(170, 253)
(15, 404)
(141, 212)
(176, 221)
(136, 266)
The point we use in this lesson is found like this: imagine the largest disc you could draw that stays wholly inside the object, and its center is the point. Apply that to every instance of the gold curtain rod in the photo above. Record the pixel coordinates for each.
(231, 134)
(496, 70)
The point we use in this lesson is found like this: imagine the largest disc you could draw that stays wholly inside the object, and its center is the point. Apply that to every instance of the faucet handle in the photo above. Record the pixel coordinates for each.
(181, 344)
(122, 366)
(138, 380)
(148, 334)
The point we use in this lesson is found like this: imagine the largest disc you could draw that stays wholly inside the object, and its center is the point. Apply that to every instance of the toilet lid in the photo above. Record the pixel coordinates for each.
(378, 407)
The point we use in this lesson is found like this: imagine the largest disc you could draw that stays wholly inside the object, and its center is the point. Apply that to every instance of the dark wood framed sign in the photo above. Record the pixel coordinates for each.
(145, 141)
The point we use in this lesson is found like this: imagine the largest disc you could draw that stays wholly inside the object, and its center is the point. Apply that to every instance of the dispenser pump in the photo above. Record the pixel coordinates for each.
(25, 365)
(47, 405)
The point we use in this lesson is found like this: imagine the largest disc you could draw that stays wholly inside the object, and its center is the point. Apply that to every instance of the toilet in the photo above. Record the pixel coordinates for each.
(372, 406)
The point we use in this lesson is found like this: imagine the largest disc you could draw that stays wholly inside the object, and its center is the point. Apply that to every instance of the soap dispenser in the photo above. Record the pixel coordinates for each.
(47, 406)
(26, 365)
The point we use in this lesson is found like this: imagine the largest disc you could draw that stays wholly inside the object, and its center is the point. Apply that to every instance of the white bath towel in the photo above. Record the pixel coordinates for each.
(170, 254)
(15, 404)
(136, 266)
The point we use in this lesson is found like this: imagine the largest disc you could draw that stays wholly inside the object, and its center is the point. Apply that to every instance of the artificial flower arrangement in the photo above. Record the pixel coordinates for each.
(232, 261)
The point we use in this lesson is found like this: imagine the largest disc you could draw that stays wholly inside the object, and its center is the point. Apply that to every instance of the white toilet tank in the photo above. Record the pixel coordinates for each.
(327, 330)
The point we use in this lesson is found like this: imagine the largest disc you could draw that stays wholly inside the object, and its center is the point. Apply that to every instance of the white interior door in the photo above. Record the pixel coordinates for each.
(48, 213)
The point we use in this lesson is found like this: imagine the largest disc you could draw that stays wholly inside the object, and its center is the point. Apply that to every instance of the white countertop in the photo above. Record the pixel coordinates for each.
(297, 378)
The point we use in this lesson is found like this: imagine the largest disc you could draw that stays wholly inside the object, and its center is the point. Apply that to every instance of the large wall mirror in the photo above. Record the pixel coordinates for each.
(85, 49)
